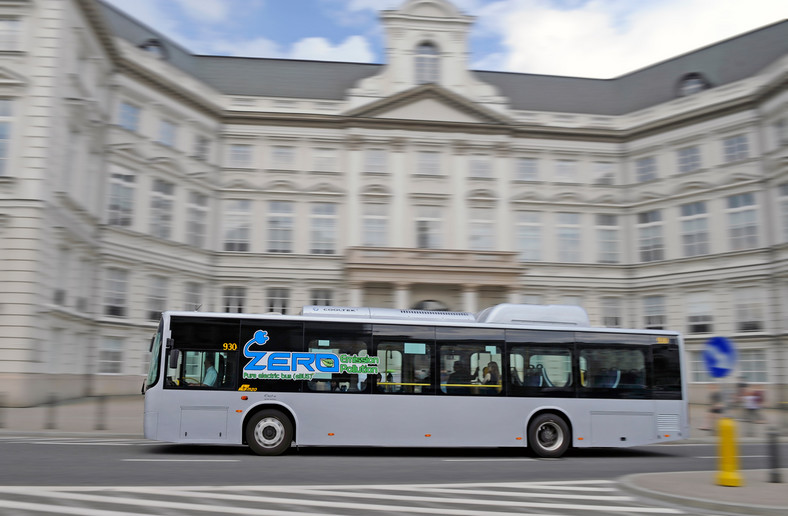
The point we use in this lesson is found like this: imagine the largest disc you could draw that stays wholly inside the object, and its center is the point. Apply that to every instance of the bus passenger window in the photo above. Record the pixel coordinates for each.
(471, 369)
(613, 371)
(405, 367)
(541, 371)
(344, 354)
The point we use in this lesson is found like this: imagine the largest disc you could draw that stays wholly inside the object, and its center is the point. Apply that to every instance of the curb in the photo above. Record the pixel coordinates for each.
(628, 484)
(52, 434)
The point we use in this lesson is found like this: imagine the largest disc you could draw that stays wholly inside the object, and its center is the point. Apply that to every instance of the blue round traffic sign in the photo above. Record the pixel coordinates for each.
(719, 356)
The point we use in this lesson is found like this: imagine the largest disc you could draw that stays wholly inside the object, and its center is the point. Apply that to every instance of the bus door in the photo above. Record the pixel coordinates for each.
(202, 358)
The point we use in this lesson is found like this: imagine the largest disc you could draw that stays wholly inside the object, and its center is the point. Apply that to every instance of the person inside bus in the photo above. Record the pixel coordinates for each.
(209, 379)
(459, 380)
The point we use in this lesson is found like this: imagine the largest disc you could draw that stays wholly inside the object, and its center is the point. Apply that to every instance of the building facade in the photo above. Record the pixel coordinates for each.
(136, 177)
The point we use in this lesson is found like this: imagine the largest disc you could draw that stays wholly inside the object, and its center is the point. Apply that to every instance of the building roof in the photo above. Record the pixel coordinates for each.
(720, 63)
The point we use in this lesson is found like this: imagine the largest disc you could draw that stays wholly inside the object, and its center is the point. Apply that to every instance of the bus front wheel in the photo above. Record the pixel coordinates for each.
(548, 435)
(269, 432)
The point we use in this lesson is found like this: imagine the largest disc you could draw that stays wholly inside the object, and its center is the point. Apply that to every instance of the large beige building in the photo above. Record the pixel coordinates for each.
(136, 177)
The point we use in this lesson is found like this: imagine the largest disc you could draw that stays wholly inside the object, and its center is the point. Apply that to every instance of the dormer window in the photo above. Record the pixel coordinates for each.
(692, 83)
(155, 47)
(427, 62)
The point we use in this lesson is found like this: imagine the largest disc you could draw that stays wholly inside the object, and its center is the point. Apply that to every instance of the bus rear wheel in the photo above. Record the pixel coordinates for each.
(269, 432)
(548, 435)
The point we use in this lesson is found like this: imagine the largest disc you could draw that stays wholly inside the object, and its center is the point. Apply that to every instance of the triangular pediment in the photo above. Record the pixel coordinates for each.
(430, 103)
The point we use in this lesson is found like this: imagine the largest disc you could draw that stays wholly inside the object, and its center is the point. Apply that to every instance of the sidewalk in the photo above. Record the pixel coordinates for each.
(96, 415)
(698, 489)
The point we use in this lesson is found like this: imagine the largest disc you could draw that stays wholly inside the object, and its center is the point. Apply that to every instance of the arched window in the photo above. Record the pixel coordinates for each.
(155, 47)
(692, 83)
(427, 63)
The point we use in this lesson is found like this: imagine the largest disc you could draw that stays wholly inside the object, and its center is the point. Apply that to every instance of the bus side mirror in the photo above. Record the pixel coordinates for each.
(174, 354)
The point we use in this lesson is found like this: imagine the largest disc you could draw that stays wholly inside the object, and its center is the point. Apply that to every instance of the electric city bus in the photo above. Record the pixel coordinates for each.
(512, 376)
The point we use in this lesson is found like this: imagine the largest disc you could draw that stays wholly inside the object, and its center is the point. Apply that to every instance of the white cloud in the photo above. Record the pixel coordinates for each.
(212, 11)
(607, 38)
(354, 48)
(257, 47)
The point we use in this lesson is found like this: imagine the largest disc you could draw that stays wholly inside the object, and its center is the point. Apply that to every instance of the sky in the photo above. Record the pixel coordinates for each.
(579, 38)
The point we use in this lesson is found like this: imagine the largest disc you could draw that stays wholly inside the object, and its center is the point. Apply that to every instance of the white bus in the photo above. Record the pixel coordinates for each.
(513, 376)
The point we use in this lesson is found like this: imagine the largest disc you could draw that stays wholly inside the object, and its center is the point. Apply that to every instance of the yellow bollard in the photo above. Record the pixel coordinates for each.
(728, 475)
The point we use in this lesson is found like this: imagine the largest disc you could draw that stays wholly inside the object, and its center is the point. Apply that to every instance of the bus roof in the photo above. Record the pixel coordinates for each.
(551, 317)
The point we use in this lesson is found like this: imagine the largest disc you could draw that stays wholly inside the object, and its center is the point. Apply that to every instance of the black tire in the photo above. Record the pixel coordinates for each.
(548, 435)
(269, 432)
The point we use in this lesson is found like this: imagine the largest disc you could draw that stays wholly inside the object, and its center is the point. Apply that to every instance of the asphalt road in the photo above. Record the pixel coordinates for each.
(57, 461)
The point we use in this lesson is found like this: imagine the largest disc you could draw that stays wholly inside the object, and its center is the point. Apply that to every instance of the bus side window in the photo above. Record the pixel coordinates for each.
(349, 342)
(666, 367)
(541, 371)
(613, 371)
(405, 367)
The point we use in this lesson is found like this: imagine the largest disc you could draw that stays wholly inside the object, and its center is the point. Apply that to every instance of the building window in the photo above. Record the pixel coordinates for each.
(529, 235)
(692, 83)
(699, 313)
(566, 171)
(167, 131)
(427, 63)
(568, 237)
(429, 163)
(237, 222)
(283, 157)
(202, 146)
(611, 312)
(527, 169)
(482, 229)
(121, 199)
(321, 296)
(749, 309)
(694, 229)
(240, 155)
(323, 228)
(155, 48)
(688, 159)
(5, 134)
(608, 238)
(700, 373)
(280, 226)
(736, 148)
(428, 227)
(161, 208)
(742, 221)
(115, 290)
(375, 161)
(196, 219)
(480, 167)
(375, 225)
(783, 193)
(753, 365)
(129, 116)
(646, 169)
(326, 160)
(192, 296)
(603, 173)
(781, 132)
(10, 34)
(654, 312)
(110, 359)
(278, 299)
(650, 241)
(234, 299)
(157, 297)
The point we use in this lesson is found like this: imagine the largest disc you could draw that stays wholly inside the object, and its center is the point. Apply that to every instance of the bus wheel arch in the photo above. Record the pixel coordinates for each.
(269, 429)
(549, 433)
